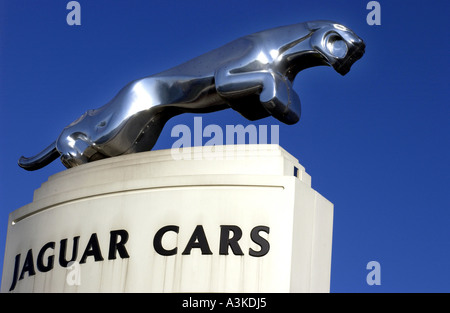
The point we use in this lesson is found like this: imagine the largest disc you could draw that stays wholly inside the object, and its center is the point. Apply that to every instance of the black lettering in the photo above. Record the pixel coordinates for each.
(198, 240)
(157, 240)
(226, 241)
(16, 272)
(28, 265)
(62, 251)
(50, 260)
(115, 246)
(92, 249)
(262, 242)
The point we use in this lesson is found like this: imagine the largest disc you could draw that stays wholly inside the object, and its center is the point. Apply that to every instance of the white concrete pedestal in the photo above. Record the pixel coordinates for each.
(234, 220)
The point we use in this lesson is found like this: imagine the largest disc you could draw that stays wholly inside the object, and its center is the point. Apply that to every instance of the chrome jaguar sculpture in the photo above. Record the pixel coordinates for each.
(253, 75)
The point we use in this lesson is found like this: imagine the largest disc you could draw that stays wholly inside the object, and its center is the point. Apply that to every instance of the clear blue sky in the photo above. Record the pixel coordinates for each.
(376, 142)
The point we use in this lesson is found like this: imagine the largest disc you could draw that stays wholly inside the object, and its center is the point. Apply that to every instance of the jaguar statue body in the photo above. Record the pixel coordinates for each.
(252, 75)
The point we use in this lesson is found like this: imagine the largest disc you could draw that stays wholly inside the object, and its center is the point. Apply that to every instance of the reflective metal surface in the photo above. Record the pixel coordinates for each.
(253, 75)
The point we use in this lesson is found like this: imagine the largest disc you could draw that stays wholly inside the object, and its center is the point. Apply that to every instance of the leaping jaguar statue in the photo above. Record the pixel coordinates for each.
(252, 75)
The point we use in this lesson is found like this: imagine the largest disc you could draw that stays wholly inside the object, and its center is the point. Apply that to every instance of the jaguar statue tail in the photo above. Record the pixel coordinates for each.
(40, 160)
